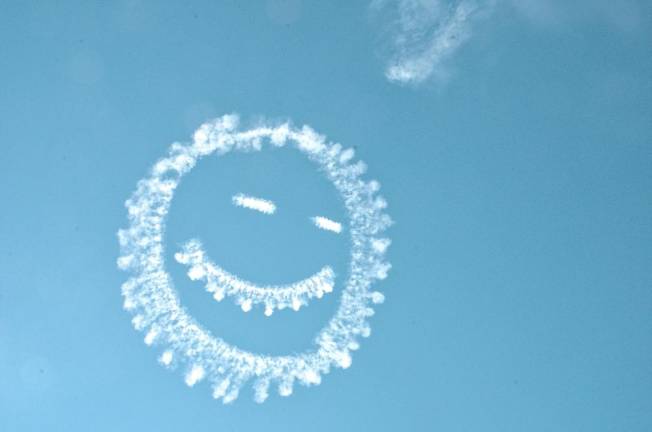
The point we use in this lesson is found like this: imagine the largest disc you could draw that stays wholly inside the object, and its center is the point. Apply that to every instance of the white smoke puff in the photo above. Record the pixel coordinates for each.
(347, 155)
(127, 289)
(309, 140)
(125, 261)
(343, 359)
(358, 168)
(219, 294)
(380, 203)
(380, 245)
(196, 273)
(246, 305)
(226, 123)
(374, 186)
(181, 258)
(195, 375)
(377, 297)
(155, 304)
(382, 270)
(353, 346)
(285, 387)
(261, 389)
(334, 150)
(138, 322)
(151, 336)
(123, 236)
(219, 390)
(310, 377)
(128, 304)
(166, 358)
(231, 395)
(200, 137)
(280, 135)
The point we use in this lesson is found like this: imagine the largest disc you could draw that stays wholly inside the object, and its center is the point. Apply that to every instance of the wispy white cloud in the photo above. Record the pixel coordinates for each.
(424, 34)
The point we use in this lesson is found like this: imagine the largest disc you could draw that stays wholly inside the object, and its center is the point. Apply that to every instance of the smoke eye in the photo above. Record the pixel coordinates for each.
(253, 203)
(327, 224)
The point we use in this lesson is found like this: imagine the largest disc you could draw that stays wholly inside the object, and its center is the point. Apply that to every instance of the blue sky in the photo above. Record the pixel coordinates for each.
(517, 169)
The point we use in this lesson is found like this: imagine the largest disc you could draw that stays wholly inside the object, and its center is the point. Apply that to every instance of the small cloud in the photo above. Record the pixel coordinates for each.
(424, 33)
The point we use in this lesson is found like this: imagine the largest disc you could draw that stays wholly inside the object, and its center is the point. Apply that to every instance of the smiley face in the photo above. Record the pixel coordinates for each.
(157, 311)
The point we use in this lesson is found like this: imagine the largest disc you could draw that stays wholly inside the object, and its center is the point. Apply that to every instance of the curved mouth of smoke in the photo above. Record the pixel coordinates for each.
(247, 294)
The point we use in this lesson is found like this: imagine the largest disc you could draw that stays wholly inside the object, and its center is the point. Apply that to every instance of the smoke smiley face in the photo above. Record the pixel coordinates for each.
(150, 296)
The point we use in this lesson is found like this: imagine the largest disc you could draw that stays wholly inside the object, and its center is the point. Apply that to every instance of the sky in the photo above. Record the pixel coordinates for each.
(513, 145)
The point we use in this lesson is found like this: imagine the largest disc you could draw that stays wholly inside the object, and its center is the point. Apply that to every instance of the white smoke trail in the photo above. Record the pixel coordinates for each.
(221, 283)
(327, 224)
(259, 204)
(150, 295)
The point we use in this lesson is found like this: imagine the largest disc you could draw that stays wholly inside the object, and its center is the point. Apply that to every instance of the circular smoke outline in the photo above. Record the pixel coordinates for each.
(150, 296)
